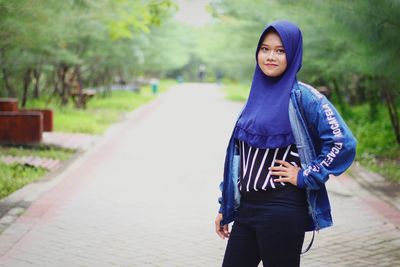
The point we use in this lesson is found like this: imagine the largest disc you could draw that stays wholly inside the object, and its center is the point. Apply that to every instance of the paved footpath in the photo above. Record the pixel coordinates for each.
(145, 195)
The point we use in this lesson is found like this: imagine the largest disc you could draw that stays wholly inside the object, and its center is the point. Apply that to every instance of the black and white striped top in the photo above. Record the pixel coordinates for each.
(254, 175)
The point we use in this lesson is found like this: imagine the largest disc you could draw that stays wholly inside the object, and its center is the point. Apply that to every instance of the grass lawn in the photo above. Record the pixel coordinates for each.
(101, 111)
(13, 177)
(44, 151)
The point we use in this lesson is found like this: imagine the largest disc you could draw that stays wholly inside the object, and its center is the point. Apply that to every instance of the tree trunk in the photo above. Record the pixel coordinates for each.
(36, 73)
(392, 109)
(367, 85)
(27, 81)
(56, 88)
(78, 80)
(65, 88)
(339, 96)
(10, 89)
(374, 97)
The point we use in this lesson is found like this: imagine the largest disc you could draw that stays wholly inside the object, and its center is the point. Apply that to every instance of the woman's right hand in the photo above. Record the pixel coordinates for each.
(222, 231)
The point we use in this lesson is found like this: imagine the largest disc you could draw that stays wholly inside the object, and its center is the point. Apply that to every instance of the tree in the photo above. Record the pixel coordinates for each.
(349, 45)
(63, 41)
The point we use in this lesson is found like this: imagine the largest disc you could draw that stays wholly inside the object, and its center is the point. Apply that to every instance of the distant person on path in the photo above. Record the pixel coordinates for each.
(286, 142)
(202, 72)
(218, 76)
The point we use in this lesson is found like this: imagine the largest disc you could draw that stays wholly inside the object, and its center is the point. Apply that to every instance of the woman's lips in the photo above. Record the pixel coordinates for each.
(270, 65)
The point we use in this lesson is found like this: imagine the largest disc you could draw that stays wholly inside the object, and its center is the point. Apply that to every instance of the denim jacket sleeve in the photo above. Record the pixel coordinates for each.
(333, 141)
(220, 200)
(228, 186)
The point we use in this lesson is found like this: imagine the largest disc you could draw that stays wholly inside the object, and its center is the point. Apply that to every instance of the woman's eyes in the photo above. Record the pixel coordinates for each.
(279, 51)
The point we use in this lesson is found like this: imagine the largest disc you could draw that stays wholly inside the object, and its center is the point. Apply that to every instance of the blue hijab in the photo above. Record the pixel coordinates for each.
(264, 122)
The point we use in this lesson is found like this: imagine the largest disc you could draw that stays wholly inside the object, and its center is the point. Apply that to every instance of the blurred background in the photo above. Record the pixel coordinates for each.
(90, 60)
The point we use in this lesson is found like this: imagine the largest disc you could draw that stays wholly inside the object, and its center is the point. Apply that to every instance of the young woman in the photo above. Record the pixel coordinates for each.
(286, 142)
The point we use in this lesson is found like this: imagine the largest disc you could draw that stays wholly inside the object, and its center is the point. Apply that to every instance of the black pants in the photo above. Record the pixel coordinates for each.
(271, 232)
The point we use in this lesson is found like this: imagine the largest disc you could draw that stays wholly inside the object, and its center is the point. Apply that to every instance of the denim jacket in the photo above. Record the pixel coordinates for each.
(325, 145)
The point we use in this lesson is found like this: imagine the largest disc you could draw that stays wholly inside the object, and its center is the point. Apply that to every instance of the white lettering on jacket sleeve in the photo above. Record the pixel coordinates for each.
(327, 160)
(330, 116)
(337, 132)
(332, 154)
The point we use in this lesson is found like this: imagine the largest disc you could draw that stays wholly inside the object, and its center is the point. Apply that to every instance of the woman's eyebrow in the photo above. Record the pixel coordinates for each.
(278, 46)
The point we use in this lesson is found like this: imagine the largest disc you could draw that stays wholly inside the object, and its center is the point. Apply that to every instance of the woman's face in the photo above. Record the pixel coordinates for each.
(271, 57)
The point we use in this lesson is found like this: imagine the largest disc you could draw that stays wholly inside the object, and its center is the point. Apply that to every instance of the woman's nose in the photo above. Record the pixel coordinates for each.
(270, 55)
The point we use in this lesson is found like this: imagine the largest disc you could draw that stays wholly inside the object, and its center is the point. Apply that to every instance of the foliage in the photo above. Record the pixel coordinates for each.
(349, 47)
(388, 168)
(377, 148)
(375, 136)
(166, 49)
(235, 35)
(60, 46)
(237, 91)
(359, 36)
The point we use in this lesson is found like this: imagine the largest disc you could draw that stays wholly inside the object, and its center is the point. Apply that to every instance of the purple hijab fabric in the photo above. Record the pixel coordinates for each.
(264, 122)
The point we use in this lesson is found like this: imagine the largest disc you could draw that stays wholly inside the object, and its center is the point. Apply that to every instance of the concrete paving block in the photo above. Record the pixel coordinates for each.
(146, 195)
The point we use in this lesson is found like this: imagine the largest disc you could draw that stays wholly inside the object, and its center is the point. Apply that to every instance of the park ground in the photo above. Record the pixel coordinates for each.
(145, 194)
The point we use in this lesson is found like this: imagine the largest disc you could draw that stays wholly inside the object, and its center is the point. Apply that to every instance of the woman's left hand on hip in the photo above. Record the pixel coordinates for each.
(287, 172)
